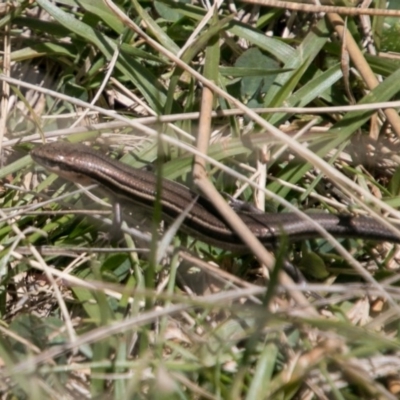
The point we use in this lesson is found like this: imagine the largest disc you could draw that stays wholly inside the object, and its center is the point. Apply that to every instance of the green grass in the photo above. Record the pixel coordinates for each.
(86, 316)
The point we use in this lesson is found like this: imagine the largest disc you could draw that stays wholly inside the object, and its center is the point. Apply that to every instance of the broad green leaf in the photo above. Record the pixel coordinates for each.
(254, 58)
(167, 12)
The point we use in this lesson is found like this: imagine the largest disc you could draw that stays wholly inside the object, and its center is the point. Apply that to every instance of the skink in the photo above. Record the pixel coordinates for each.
(81, 164)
